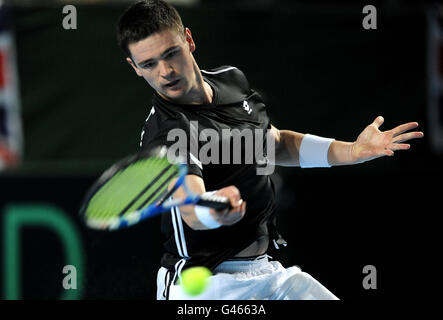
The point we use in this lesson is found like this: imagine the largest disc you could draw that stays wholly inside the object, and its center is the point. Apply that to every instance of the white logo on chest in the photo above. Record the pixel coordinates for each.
(247, 107)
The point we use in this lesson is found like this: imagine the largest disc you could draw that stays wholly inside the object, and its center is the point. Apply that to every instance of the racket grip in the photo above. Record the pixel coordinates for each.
(218, 203)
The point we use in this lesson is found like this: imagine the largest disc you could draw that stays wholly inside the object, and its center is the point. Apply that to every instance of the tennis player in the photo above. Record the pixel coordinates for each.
(232, 243)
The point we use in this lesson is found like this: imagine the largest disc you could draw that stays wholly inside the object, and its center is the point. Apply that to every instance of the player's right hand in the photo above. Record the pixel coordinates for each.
(238, 210)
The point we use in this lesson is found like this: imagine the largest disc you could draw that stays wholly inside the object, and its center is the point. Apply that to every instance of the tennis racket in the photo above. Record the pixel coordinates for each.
(136, 188)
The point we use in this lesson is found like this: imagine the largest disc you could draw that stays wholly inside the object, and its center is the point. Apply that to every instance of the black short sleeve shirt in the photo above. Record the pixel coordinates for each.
(225, 141)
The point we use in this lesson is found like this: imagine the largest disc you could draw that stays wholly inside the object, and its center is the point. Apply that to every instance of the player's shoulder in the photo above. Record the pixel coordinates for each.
(160, 118)
(228, 74)
(157, 125)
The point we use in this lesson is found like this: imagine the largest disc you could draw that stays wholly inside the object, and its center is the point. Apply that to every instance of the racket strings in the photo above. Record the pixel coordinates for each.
(160, 191)
(154, 191)
(128, 190)
(145, 191)
(97, 204)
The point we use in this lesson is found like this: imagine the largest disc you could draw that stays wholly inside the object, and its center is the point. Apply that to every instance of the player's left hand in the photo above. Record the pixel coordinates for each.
(373, 143)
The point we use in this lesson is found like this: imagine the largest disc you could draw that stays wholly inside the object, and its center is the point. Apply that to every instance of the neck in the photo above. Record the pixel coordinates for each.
(202, 92)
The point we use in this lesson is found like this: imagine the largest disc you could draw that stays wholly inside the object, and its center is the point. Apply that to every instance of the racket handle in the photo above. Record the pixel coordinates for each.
(215, 202)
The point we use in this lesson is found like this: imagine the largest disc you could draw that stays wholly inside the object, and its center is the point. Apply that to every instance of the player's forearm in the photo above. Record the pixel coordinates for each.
(196, 217)
(289, 144)
(203, 218)
(189, 215)
(340, 153)
(287, 147)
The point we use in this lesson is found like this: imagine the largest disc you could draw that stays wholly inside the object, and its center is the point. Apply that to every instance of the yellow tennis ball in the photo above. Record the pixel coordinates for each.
(194, 280)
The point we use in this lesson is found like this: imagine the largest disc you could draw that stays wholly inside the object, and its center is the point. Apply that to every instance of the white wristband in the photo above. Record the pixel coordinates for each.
(204, 215)
(314, 151)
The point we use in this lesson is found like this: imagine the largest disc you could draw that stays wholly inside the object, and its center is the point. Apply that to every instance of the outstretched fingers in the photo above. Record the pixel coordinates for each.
(407, 136)
(399, 146)
(404, 127)
(398, 136)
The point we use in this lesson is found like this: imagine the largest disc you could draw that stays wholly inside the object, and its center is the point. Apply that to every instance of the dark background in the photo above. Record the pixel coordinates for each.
(319, 71)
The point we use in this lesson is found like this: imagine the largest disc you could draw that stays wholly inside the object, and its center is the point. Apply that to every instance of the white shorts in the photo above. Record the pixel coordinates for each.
(258, 279)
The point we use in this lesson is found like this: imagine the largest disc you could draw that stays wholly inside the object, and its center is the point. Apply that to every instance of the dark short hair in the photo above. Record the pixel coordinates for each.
(145, 18)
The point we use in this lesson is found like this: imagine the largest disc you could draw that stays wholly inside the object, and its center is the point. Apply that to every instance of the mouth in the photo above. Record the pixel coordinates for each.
(172, 84)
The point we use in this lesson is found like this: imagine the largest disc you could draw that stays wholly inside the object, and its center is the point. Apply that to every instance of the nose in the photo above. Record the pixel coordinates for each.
(165, 69)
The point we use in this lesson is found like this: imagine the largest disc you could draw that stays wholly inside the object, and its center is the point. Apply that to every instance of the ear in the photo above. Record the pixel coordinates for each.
(129, 60)
(189, 40)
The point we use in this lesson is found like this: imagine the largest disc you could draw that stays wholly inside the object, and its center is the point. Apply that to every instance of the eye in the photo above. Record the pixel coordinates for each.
(148, 65)
(171, 54)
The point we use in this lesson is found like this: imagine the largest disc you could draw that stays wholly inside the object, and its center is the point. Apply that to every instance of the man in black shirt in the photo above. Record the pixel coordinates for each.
(215, 120)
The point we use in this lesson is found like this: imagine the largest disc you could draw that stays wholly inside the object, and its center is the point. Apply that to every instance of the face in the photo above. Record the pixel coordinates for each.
(165, 61)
